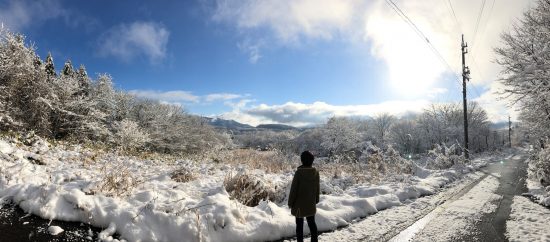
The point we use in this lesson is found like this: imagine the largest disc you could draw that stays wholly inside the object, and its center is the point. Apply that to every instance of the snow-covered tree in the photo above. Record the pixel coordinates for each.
(525, 58)
(49, 66)
(381, 125)
(129, 135)
(68, 69)
(25, 94)
(407, 137)
(84, 81)
(340, 136)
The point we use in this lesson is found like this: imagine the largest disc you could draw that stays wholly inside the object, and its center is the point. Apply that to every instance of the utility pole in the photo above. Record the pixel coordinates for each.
(510, 131)
(465, 77)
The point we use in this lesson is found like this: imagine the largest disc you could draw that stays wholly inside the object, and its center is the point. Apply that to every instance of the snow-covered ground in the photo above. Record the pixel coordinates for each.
(539, 192)
(138, 199)
(528, 221)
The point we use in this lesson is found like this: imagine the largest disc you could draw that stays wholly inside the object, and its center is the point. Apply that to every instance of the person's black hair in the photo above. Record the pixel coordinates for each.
(307, 158)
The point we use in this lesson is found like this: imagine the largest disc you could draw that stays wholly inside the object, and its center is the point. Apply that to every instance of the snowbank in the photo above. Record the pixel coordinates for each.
(538, 181)
(138, 200)
(528, 221)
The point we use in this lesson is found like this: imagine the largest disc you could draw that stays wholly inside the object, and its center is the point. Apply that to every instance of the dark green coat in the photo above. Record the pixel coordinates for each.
(304, 192)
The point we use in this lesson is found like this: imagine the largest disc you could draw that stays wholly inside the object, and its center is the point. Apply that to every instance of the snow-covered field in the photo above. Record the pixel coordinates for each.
(139, 200)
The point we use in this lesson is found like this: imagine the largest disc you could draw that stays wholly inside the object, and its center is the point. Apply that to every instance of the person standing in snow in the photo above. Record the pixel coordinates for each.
(304, 195)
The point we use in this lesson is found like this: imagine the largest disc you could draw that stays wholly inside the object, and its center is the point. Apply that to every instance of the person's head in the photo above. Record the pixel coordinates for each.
(307, 158)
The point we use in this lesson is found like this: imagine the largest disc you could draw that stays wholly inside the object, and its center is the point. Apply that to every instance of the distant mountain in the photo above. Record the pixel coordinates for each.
(234, 126)
(499, 125)
(276, 127)
(228, 124)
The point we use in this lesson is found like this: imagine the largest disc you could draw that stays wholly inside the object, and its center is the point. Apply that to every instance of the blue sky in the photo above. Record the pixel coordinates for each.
(274, 61)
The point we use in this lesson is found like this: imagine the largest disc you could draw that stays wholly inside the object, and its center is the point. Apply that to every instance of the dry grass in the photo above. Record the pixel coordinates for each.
(250, 190)
(183, 175)
(272, 161)
(373, 170)
(117, 181)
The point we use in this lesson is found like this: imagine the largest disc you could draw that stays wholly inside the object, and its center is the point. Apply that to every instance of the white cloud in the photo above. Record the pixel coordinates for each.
(498, 109)
(181, 97)
(301, 114)
(221, 97)
(168, 96)
(18, 15)
(128, 41)
(411, 63)
(289, 20)
(252, 49)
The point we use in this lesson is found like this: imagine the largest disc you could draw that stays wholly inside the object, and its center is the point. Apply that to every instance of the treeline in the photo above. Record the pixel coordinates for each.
(525, 59)
(440, 125)
(70, 105)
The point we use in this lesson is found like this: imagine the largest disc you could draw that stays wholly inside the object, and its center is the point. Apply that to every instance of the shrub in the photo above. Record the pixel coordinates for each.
(250, 190)
(539, 166)
(443, 157)
(117, 181)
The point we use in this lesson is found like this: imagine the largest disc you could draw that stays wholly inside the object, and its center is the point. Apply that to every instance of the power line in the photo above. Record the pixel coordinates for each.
(475, 34)
(477, 22)
(454, 15)
(488, 18)
(421, 35)
(473, 47)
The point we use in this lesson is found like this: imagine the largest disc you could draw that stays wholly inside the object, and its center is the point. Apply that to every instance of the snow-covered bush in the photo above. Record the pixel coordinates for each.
(443, 157)
(539, 167)
(250, 190)
(128, 135)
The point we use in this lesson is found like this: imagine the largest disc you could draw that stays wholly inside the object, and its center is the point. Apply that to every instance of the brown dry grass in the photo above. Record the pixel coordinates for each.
(117, 181)
(272, 161)
(183, 175)
(250, 190)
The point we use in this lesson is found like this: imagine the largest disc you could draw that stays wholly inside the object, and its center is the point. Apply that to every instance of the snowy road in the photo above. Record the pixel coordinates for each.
(482, 212)
(476, 208)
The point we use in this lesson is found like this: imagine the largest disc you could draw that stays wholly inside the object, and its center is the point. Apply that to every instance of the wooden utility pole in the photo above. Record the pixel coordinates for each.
(465, 77)
(510, 131)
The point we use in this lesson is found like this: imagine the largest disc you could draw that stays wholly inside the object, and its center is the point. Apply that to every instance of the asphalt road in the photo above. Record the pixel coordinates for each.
(513, 173)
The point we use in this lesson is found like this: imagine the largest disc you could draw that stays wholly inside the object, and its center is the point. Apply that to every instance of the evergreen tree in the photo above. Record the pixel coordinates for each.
(37, 62)
(83, 80)
(68, 69)
(49, 67)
